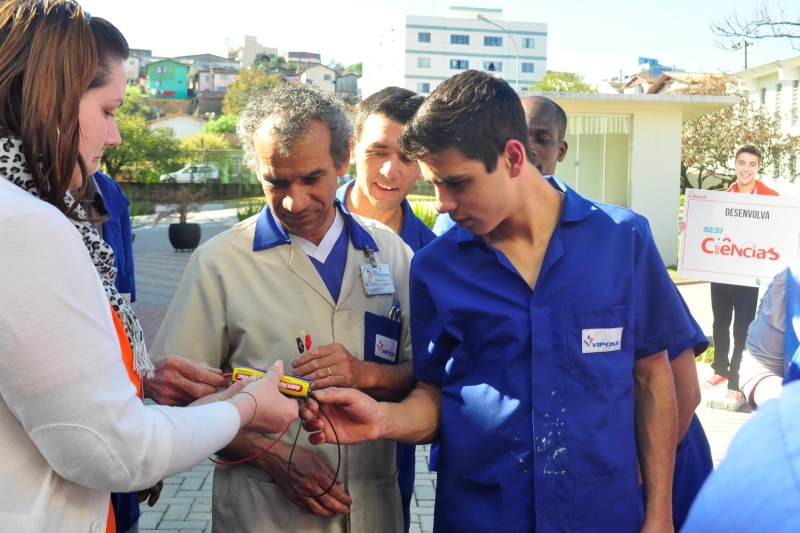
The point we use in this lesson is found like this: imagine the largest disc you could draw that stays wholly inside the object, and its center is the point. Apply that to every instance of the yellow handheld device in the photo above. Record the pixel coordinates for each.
(289, 385)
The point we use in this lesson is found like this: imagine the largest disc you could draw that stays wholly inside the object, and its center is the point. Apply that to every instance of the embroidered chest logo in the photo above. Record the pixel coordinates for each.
(601, 340)
(385, 348)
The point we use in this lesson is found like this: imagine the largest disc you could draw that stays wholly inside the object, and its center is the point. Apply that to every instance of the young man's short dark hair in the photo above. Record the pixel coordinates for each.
(394, 103)
(473, 112)
(748, 149)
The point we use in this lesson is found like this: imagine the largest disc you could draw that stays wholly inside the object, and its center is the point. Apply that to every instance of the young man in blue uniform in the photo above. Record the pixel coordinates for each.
(384, 177)
(541, 327)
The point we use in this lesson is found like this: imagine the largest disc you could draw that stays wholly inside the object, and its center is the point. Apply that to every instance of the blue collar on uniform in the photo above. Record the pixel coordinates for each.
(574, 209)
(269, 233)
(114, 199)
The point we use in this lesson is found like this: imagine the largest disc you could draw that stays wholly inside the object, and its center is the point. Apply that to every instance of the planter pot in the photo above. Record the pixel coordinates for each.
(184, 236)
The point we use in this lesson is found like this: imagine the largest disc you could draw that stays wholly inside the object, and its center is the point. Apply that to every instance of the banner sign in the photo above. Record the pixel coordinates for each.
(741, 239)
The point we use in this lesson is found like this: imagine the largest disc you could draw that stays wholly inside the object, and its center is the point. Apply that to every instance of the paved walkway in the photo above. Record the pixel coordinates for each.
(185, 503)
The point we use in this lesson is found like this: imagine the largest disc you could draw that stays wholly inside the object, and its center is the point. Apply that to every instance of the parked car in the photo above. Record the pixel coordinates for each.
(193, 173)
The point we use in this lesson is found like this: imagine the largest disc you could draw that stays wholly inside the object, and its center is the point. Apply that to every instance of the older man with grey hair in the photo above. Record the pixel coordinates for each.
(305, 270)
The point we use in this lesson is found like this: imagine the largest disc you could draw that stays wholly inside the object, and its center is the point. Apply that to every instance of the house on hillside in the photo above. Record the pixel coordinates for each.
(303, 58)
(246, 55)
(672, 81)
(319, 76)
(347, 84)
(207, 61)
(167, 79)
(638, 85)
(214, 80)
(180, 124)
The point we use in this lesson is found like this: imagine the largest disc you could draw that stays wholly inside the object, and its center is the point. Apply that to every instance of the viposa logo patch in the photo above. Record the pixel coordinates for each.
(385, 348)
(601, 340)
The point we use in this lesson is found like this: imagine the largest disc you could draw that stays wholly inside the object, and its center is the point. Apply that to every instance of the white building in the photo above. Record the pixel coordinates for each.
(320, 76)
(246, 55)
(214, 80)
(132, 65)
(419, 53)
(180, 124)
(626, 150)
(776, 85)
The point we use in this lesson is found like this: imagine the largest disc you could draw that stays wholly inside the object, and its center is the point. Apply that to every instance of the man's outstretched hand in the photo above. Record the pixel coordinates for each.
(355, 417)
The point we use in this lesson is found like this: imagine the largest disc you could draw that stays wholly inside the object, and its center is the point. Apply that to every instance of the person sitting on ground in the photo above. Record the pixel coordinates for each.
(74, 428)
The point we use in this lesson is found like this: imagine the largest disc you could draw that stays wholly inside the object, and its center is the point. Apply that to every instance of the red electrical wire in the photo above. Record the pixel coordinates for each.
(227, 463)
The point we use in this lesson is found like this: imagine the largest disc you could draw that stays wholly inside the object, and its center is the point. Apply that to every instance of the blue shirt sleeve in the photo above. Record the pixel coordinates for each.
(431, 344)
(698, 340)
(661, 321)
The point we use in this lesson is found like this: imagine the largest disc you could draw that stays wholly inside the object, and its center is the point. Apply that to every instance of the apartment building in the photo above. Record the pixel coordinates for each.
(418, 52)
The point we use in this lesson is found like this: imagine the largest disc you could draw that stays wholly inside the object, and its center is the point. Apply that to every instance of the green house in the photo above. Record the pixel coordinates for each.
(167, 79)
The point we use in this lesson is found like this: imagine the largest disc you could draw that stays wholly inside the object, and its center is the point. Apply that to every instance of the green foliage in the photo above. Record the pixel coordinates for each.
(143, 155)
(248, 210)
(223, 124)
(355, 68)
(248, 83)
(710, 142)
(564, 82)
(425, 213)
(707, 356)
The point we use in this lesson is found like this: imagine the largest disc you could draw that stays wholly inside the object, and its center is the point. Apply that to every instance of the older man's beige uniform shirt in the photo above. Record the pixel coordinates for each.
(236, 306)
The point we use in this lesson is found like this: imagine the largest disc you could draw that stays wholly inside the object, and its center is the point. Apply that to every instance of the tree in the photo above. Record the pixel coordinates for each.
(709, 142)
(143, 155)
(764, 23)
(223, 124)
(355, 68)
(249, 82)
(564, 82)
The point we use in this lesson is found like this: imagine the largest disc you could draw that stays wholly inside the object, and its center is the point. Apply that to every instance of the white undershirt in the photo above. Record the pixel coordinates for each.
(321, 252)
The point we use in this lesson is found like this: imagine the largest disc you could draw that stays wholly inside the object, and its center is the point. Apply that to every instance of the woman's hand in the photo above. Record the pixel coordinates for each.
(262, 407)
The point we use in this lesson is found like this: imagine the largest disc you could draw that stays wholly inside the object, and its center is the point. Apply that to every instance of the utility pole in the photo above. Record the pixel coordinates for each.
(481, 17)
(743, 44)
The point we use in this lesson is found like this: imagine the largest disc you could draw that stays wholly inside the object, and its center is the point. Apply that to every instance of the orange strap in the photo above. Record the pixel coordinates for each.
(111, 524)
(127, 359)
(127, 353)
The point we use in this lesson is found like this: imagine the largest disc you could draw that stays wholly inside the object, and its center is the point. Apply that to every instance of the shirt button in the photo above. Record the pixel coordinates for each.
(95, 528)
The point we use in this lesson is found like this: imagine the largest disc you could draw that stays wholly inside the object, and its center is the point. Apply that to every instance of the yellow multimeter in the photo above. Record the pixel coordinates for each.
(289, 385)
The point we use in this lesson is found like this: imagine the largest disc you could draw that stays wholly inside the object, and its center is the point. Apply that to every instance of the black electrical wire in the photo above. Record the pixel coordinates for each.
(338, 451)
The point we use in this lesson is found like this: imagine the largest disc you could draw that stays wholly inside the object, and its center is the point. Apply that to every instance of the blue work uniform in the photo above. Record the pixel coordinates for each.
(117, 233)
(537, 430)
(415, 234)
(693, 461)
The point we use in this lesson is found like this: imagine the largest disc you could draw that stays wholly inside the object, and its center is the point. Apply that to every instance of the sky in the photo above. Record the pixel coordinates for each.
(594, 39)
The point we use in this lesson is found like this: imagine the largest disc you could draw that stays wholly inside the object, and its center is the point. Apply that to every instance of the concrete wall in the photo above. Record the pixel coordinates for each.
(181, 125)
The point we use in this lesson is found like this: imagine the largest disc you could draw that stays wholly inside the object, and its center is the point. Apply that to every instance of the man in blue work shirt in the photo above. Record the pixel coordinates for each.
(384, 177)
(537, 323)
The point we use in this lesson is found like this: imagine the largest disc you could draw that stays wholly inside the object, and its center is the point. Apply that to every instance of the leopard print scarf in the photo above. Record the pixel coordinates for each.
(14, 168)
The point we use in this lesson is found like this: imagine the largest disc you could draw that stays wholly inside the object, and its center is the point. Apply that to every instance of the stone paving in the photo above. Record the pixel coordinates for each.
(185, 503)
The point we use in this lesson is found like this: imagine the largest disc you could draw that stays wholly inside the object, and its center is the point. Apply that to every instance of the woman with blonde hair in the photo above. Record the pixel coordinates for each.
(72, 425)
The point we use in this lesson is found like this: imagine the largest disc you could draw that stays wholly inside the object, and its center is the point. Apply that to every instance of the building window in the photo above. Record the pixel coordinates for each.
(493, 66)
(764, 96)
(459, 64)
(131, 61)
(795, 94)
(492, 41)
(527, 42)
(221, 89)
(424, 37)
(527, 68)
(161, 70)
(423, 62)
(423, 88)
(224, 77)
(459, 39)
(158, 83)
(326, 77)
(206, 78)
(778, 91)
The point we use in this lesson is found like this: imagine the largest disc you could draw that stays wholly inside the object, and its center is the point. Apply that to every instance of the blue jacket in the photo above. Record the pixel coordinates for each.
(117, 231)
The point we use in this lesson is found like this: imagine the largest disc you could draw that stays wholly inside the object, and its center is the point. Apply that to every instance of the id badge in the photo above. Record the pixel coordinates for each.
(377, 279)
